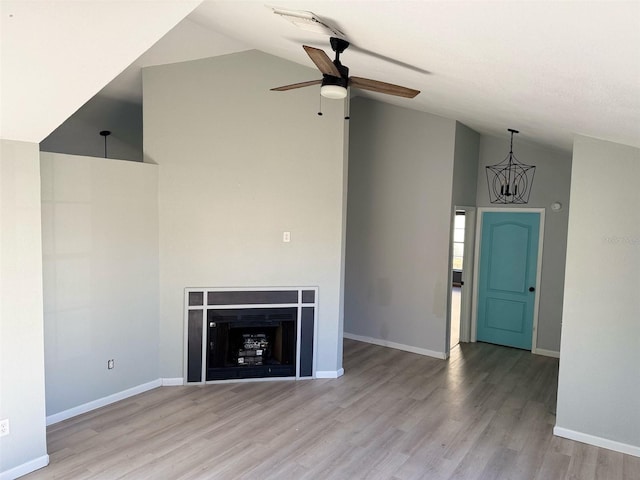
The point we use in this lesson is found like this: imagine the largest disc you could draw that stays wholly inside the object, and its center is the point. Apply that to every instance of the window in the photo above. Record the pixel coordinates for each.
(458, 241)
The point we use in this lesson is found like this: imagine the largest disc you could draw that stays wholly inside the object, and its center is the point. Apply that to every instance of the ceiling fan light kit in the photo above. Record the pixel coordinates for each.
(333, 91)
(335, 76)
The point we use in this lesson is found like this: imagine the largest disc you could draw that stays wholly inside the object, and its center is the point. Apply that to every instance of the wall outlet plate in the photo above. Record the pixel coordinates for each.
(110, 364)
(4, 427)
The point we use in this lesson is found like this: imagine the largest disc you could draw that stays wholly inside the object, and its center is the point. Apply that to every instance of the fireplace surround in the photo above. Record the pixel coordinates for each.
(234, 334)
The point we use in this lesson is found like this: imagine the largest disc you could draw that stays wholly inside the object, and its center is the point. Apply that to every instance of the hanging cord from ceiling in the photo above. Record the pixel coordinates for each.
(105, 134)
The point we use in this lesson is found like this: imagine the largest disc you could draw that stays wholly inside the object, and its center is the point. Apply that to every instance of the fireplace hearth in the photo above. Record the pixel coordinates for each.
(247, 333)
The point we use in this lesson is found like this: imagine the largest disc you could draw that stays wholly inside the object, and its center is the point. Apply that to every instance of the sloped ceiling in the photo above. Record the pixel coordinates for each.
(55, 55)
(548, 69)
(188, 40)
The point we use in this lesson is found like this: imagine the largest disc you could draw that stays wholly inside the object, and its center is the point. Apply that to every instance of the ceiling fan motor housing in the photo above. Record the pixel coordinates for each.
(338, 45)
(331, 80)
(342, 80)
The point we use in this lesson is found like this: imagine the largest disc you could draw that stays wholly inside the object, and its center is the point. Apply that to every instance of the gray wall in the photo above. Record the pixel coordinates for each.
(552, 183)
(80, 133)
(238, 166)
(399, 214)
(465, 166)
(100, 251)
(22, 398)
(599, 384)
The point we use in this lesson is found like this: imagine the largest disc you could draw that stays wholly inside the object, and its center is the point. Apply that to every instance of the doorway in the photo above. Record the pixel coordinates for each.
(462, 262)
(507, 276)
(457, 265)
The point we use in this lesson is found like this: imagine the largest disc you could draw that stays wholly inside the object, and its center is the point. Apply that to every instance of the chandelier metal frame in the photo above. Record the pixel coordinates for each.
(510, 181)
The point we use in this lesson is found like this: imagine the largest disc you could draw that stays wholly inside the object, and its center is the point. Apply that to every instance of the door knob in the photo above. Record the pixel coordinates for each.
(532, 289)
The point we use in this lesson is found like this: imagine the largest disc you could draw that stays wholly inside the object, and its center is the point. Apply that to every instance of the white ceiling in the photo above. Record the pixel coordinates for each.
(551, 69)
(548, 69)
(188, 40)
(55, 55)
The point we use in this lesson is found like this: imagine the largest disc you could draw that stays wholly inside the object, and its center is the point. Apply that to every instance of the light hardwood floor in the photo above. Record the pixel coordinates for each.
(456, 300)
(486, 413)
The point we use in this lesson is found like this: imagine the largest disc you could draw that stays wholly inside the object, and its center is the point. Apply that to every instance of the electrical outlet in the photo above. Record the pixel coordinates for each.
(286, 237)
(110, 364)
(4, 427)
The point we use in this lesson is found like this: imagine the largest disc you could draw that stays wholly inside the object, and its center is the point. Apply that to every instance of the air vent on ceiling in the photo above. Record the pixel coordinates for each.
(308, 21)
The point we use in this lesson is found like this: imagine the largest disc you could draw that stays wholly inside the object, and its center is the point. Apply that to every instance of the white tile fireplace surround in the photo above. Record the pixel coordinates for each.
(240, 334)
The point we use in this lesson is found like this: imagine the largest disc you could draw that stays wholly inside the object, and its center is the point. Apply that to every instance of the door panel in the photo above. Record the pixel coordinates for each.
(507, 271)
(506, 315)
(507, 260)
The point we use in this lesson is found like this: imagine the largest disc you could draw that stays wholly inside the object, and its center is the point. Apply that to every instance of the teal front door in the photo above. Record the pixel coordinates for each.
(507, 278)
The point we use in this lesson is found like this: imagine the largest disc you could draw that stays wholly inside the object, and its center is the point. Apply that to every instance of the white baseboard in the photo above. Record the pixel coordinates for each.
(25, 468)
(398, 346)
(101, 402)
(597, 441)
(172, 382)
(330, 373)
(547, 353)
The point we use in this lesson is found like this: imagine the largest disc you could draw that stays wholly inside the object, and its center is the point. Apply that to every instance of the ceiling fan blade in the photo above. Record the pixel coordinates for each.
(382, 87)
(353, 47)
(296, 85)
(322, 61)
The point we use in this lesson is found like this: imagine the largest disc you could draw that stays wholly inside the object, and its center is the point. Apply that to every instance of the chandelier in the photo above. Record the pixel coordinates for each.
(510, 181)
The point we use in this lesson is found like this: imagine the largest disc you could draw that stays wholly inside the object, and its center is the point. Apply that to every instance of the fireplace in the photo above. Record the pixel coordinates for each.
(251, 343)
(236, 334)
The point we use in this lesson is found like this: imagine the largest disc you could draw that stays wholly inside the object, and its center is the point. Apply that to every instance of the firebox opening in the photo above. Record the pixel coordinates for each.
(251, 343)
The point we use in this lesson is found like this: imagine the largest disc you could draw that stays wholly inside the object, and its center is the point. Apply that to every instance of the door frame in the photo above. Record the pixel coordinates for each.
(467, 275)
(476, 269)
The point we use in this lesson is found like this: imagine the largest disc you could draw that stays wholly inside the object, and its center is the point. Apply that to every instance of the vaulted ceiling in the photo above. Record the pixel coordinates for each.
(548, 69)
(55, 55)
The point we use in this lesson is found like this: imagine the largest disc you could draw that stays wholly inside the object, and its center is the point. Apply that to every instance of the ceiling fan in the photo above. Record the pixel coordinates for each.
(336, 79)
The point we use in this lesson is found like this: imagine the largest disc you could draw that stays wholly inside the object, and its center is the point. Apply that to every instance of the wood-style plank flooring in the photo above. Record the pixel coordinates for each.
(486, 413)
(456, 304)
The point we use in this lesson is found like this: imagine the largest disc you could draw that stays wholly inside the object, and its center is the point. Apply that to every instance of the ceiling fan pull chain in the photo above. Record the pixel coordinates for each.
(320, 109)
(348, 115)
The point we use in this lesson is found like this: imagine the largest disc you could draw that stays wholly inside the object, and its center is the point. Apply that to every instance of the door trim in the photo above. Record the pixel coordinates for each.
(476, 267)
(467, 275)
